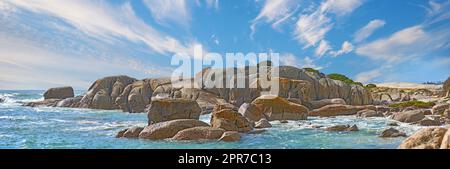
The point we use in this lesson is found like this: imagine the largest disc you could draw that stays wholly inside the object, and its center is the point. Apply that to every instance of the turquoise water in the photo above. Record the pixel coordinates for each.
(56, 128)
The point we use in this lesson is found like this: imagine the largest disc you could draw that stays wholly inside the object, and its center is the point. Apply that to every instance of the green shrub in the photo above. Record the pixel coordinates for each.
(311, 70)
(415, 103)
(343, 78)
(370, 86)
(448, 89)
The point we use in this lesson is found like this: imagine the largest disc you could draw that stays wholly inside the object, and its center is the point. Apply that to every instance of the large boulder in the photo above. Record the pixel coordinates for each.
(446, 140)
(440, 108)
(199, 133)
(170, 109)
(132, 132)
(263, 123)
(230, 120)
(369, 113)
(339, 110)
(59, 93)
(427, 138)
(273, 108)
(103, 93)
(70, 102)
(409, 116)
(230, 136)
(392, 132)
(324, 102)
(168, 129)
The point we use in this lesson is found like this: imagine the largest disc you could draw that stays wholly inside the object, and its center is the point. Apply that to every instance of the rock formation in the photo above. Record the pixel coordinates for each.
(170, 109)
(427, 138)
(273, 108)
(59, 93)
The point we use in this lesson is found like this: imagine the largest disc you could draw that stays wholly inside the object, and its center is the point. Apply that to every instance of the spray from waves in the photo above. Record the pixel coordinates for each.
(17, 99)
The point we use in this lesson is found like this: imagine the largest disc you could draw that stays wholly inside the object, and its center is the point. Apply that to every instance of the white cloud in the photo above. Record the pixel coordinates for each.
(437, 12)
(275, 12)
(365, 77)
(212, 4)
(311, 28)
(289, 59)
(347, 47)
(403, 44)
(323, 48)
(169, 10)
(106, 22)
(367, 30)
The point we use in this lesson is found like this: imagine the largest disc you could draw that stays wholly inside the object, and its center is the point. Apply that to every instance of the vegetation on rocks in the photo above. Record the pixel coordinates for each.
(415, 103)
(370, 86)
(311, 70)
(343, 78)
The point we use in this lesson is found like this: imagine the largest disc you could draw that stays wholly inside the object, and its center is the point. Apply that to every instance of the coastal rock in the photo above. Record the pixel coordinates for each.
(392, 132)
(103, 93)
(446, 140)
(409, 116)
(273, 108)
(132, 132)
(230, 120)
(324, 102)
(199, 133)
(46, 102)
(392, 124)
(70, 102)
(429, 122)
(368, 113)
(338, 110)
(59, 93)
(230, 136)
(427, 138)
(263, 123)
(440, 108)
(168, 129)
(2, 100)
(446, 86)
(342, 128)
(171, 109)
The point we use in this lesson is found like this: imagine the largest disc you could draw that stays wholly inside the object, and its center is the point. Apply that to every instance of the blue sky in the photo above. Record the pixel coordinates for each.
(47, 43)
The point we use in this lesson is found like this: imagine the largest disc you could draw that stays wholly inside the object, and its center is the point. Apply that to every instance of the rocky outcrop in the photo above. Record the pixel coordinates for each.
(369, 113)
(230, 136)
(342, 128)
(273, 108)
(46, 102)
(199, 133)
(429, 122)
(263, 123)
(103, 93)
(230, 120)
(59, 93)
(132, 132)
(324, 102)
(171, 109)
(446, 140)
(70, 102)
(392, 132)
(446, 86)
(409, 116)
(339, 110)
(169, 129)
(440, 108)
(427, 138)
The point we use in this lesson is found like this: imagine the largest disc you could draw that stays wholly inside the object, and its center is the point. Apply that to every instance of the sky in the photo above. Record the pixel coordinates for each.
(50, 43)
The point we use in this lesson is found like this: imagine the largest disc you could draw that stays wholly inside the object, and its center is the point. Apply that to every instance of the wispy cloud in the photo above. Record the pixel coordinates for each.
(107, 22)
(323, 48)
(274, 12)
(365, 77)
(347, 47)
(290, 59)
(176, 11)
(367, 30)
(311, 28)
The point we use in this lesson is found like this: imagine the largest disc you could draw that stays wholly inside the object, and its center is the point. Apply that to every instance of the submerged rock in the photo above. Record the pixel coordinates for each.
(168, 129)
(392, 132)
(263, 123)
(59, 93)
(342, 128)
(199, 133)
(230, 136)
(427, 138)
(132, 132)
(392, 124)
(171, 109)
(2, 100)
(46, 102)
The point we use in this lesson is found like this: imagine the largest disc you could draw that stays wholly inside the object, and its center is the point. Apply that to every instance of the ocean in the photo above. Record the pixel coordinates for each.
(69, 128)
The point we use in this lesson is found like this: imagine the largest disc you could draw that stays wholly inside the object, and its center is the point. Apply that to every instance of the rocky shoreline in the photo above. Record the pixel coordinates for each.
(173, 112)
